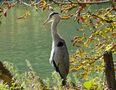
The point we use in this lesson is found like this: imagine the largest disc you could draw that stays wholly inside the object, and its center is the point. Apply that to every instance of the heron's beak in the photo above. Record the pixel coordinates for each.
(47, 21)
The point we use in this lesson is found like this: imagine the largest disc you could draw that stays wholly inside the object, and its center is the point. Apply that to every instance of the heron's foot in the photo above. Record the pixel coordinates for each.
(63, 82)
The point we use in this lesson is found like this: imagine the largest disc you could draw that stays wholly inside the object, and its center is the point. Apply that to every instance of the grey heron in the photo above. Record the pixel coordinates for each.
(59, 57)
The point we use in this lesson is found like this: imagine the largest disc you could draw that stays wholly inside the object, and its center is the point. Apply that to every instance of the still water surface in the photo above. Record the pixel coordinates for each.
(28, 39)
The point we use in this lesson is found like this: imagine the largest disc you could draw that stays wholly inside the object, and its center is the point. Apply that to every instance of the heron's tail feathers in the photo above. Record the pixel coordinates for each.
(63, 82)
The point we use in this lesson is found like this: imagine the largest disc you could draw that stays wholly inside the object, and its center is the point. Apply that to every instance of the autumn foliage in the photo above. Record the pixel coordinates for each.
(97, 22)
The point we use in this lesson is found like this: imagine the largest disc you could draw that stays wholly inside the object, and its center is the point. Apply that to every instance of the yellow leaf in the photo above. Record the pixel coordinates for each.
(25, 15)
(65, 17)
(86, 44)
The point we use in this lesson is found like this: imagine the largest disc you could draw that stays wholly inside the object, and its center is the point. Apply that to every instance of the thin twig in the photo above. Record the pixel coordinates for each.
(27, 4)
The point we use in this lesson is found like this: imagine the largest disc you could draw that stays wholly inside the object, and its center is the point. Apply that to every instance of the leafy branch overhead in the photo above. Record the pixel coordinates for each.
(5, 6)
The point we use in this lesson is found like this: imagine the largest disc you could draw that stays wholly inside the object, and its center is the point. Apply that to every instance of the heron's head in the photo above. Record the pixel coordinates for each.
(53, 17)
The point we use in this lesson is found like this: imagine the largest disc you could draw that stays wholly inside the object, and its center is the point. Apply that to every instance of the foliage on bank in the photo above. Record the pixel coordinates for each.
(30, 81)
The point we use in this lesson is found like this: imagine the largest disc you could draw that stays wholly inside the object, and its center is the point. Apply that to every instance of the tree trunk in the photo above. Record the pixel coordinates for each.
(109, 71)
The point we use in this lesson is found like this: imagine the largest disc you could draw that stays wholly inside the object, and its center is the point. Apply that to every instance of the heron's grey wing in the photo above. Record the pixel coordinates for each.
(53, 63)
(52, 60)
(61, 58)
(56, 67)
(59, 67)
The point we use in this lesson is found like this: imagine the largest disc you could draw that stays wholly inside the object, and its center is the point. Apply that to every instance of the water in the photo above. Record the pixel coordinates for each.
(28, 39)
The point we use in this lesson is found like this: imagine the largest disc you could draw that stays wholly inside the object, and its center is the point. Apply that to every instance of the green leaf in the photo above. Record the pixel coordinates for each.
(88, 84)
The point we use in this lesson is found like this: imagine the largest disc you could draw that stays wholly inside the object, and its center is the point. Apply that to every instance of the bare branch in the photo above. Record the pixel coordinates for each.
(79, 2)
(25, 3)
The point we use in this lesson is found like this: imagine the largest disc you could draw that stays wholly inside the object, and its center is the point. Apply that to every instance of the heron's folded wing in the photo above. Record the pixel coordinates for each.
(55, 66)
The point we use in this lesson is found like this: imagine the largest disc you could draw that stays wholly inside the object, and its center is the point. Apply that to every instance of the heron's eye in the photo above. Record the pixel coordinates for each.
(60, 44)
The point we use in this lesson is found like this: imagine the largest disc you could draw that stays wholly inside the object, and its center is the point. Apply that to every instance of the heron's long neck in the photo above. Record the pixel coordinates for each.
(54, 30)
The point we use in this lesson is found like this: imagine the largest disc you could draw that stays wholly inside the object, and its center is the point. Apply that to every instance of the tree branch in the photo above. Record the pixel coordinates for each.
(79, 2)
(108, 21)
(27, 4)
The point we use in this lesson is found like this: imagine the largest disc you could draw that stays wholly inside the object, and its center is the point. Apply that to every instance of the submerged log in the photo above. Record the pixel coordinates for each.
(109, 71)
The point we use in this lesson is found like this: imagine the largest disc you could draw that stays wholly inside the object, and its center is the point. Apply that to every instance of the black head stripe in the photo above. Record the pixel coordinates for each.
(53, 13)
